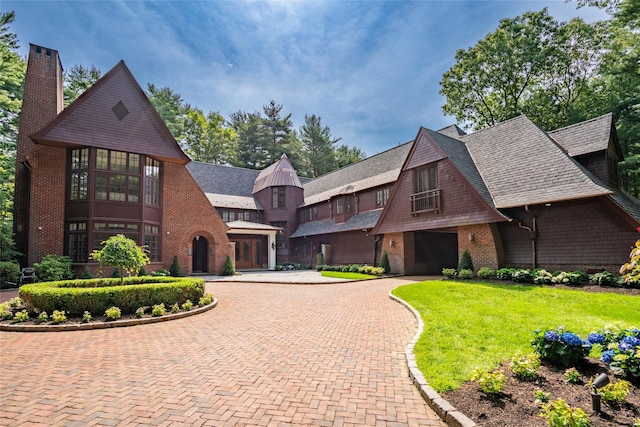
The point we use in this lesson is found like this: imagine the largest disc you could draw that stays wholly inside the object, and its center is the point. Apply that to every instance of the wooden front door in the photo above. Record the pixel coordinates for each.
(248, 253)
(200, 247)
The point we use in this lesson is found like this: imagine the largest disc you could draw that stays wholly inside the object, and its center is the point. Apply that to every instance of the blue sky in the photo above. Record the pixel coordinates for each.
(370, 69)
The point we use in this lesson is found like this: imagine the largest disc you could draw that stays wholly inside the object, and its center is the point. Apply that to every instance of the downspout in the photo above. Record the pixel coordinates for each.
(533, 235)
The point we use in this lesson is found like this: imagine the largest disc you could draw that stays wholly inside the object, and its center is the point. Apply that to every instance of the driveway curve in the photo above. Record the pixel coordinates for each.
(268, 354)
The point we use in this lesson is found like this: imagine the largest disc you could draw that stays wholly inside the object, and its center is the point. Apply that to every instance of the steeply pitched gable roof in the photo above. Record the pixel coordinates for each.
(521, 165)
(380, 169)
(114, 114)
(586, 137)
(281, 173)
(225, 186)
(452, 131)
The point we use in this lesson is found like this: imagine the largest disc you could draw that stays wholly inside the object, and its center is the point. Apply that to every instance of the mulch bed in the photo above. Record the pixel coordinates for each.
(517, 407)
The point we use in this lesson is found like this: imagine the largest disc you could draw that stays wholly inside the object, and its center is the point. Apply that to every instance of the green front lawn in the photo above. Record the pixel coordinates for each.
(350, 276)
(471, 324)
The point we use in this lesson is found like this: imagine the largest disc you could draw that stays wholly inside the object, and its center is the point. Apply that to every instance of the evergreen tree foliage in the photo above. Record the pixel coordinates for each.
(229, 268)
(174, 270)
(384, 262)
(466, 263)
(78, 79)
(318, 145)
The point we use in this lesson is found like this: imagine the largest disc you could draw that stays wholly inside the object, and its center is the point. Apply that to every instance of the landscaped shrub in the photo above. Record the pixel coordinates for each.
(96, 295)
(522, 275)
(139, 312)
(186, 306)
(86, 317)
(229, 269)
(615, 391)
(541, 396)
(505, 273)
(559, 414)
(622, 354)
(206, 299)
(525, 366)
(571, 278)
(320, 259)
(175, 308)
(9, 272)
(384, 262)
(53, 267)
(174, 270)
(450, 273)
(486, 273)
(542, 277)
(604, 278)
(465, 274)
(289, 266)
(572, 376)
(116, 273)
(160, 273)
(491, 383)
(58, 316)
(5, 311)
(466, 263)
(86, 274)
(630, 271)
(21, 316)
(158, 310)
(113, 313)
(43, 317)
(354, 268)
(122, 252)
(560, 346)
(142, 272)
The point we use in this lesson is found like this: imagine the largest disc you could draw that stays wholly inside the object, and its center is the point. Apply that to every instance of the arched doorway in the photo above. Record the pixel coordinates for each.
(200, 252)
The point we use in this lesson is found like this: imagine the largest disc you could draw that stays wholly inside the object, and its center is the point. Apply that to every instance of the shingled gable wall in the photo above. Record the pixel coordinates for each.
(39, 195)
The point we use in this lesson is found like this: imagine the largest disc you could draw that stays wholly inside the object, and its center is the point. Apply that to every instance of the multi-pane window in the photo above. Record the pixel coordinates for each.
(381, 197)
(339, 205)
(228, 216)
(118, 176)
(309, 214)
(152, 182)
(77, 241)
(281, 235)
(278, 198)
(103, 230)
(151, 241)
(427, 196)
(79, 174)
(427, 179)
(347, 204)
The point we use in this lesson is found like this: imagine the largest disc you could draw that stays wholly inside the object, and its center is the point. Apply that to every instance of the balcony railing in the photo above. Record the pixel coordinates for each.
(426, 201)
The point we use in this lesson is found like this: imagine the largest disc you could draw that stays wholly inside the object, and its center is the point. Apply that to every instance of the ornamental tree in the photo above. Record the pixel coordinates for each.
(122, 252)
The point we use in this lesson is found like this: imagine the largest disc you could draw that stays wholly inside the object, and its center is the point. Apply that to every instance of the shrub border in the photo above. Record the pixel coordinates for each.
(104, 325)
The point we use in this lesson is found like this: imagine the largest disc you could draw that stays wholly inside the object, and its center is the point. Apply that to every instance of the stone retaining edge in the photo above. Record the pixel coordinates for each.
(444, 409)
(104, 325)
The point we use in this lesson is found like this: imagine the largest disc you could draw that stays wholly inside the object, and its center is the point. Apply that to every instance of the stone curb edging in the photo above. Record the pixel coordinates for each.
(105, 325)
(444, 409)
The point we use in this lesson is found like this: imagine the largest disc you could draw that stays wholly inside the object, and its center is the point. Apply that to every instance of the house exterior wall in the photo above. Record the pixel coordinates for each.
(349, 247)
(590, 235)
(484, 244)
(187, 213)
(596, 163)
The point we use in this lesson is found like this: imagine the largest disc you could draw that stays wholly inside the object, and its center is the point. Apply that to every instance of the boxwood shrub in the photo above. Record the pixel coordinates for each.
(97, 295)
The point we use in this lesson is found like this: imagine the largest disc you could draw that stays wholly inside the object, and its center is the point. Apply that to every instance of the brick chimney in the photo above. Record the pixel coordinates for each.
(42, 101)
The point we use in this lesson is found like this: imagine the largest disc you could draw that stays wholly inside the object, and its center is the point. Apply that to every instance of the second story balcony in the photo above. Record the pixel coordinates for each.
(425, 201)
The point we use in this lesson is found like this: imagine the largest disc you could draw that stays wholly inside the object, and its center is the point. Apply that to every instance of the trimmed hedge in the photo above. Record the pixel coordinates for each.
(97, 295)
(353, 268)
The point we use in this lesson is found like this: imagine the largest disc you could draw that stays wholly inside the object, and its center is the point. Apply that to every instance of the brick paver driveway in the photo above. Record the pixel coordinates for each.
(268, 354)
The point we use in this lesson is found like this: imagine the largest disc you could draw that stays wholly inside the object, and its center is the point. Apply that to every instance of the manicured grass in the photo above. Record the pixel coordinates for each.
(351, 276)
(472, 324)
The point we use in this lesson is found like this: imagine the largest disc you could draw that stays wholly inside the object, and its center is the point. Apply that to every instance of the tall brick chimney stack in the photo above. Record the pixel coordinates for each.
(42, 101)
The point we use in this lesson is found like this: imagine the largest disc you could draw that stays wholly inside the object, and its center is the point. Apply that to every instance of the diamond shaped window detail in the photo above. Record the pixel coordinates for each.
(120, 110)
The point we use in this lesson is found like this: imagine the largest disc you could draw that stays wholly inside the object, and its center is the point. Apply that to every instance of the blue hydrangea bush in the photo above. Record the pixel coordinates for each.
(622, 351)
(560, 347)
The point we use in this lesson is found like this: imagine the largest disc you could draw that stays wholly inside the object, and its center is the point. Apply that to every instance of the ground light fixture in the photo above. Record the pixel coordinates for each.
(600, 382)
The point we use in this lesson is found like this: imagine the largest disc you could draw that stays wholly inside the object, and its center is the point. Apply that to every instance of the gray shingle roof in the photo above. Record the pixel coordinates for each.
(380, 169)
(328, 226)
(225, 186)
(521, 165)
(452, 131)
(585, 137)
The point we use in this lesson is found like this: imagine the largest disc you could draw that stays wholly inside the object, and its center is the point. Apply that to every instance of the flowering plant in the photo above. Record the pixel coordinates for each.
(560, 346)
(623, 354)
(631, 270)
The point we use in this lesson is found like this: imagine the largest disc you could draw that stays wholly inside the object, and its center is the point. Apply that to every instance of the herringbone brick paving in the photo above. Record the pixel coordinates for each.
(267, 355)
